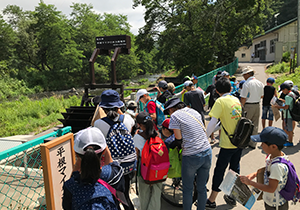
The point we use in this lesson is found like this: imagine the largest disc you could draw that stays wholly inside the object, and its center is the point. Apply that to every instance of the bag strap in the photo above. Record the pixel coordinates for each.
(196, 120)
(226, 132)
(113, 191)
(108, 121)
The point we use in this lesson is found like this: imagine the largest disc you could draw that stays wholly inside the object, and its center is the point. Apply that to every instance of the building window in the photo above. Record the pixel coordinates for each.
(256, 52)
(243, 55)
(272, 45)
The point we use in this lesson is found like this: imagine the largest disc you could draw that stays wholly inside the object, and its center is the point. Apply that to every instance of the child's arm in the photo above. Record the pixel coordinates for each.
(281, 107)
(252, 175)
(270, 188)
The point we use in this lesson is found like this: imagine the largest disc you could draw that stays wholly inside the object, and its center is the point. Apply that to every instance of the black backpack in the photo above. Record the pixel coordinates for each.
(295, 111)
(243, 130)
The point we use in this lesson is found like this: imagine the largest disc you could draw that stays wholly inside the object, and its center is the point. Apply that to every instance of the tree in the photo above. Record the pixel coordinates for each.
(7, 40)
(199, 35)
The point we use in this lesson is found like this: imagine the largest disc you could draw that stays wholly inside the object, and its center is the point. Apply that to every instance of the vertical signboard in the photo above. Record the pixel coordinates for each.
(58, 159)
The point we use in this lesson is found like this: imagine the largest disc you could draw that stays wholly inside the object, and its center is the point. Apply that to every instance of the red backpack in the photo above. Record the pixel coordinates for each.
(155, 161)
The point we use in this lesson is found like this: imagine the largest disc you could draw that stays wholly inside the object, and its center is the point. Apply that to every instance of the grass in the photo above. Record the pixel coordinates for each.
(279, 68)
(281, 73)
(171, 73)
(24, 116)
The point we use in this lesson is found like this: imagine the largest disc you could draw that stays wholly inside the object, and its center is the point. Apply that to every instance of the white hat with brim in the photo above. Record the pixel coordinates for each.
(140, 93)
(247, 70)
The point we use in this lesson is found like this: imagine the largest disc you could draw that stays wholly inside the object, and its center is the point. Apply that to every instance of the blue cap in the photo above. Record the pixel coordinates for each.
(110, 99)
(194, 77)
(271, 80)
(271, 135)
(241, 83)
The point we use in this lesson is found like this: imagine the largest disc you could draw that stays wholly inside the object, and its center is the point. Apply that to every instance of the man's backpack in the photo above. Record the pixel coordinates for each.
(160, 117)
(155, 161)
(120, 144)
(243, 130)
(295, 111)
(291, 191)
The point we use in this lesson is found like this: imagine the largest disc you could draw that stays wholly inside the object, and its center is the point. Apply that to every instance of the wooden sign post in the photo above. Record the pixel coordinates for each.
(58, 159)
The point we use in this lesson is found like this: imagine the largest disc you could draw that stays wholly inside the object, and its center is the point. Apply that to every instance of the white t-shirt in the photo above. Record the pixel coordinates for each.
(278, 171)
(104, 127)
(139, 142)
(252, 90)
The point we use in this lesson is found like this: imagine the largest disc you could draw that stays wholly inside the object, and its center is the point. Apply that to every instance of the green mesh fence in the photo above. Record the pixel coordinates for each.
(21, 174)
(204, 80)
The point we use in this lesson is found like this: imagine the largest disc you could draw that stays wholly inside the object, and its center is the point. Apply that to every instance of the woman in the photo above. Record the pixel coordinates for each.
(149, 195)
(111, 104)
(82, 190)
(190, 134)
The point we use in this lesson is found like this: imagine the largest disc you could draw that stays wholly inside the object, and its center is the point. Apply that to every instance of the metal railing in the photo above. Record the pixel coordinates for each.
(21, 174)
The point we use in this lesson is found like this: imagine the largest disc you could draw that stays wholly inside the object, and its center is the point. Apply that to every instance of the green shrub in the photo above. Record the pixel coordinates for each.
(143, 80)
(279, 68)
(286, 56)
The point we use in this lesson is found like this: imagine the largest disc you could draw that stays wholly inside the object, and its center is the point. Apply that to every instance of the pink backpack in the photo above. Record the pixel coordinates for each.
(155, 161)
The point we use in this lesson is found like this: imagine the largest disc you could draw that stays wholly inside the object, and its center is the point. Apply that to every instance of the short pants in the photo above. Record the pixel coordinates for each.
(265, 111)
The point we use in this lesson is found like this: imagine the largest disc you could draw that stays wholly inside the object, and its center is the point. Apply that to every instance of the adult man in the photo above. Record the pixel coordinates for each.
(252, 92)
(228, 109)
(163, 93)
(194, 98)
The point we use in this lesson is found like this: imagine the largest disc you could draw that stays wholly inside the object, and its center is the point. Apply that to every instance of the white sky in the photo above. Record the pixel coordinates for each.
(124, 7)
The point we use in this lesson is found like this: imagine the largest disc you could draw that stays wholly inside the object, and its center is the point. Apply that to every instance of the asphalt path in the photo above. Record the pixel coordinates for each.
(251, 159)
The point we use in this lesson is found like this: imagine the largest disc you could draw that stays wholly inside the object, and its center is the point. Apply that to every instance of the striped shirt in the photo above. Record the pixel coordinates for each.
(194, 139)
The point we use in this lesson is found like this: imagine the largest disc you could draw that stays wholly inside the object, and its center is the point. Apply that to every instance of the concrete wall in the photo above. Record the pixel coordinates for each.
(286, 38)
(243, 50)
(269, 57)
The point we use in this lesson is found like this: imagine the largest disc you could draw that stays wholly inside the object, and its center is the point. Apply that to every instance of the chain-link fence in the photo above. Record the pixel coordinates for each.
(21, 174)
(204, 80)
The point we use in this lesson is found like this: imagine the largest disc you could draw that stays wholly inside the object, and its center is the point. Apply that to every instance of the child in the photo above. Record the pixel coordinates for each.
(168, 133)
(149, 195)
(288, 121)
(233, 85)
(269, 92)
(275, 176)
(82, 190)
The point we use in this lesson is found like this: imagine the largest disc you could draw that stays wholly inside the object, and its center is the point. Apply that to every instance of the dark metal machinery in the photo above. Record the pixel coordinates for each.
(80, 117)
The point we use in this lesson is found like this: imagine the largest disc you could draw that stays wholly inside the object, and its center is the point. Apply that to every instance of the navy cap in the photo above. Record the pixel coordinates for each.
(110, 99)
(271, 135)
(143, 117)
(171, 103)
(163, 84)
(285, 85)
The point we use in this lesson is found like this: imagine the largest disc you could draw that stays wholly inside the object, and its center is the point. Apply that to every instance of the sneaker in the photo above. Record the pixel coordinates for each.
(212, 141)
(289, 144)
(210, 205)
(229, 200)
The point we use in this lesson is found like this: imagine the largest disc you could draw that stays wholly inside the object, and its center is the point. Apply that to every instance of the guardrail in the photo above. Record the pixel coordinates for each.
(204, 80)
(21, 175)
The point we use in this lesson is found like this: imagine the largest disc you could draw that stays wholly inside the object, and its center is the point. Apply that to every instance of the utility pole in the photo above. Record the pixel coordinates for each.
(298, 34)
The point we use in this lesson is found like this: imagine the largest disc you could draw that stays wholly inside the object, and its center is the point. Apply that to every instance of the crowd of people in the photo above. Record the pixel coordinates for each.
(109, 153)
